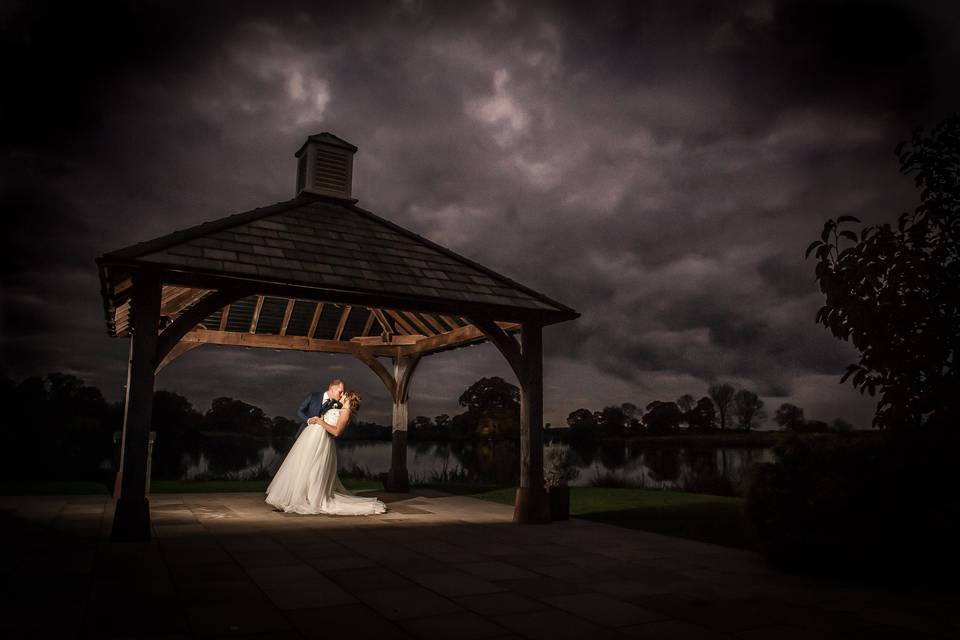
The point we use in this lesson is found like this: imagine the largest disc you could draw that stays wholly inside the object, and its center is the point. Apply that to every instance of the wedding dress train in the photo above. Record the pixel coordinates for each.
(307, 481)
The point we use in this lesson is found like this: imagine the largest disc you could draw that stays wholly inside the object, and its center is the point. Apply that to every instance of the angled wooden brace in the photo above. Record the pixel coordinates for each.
(191, 318)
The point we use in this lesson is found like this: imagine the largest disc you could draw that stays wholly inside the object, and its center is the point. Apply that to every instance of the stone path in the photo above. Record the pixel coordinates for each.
(435, 566)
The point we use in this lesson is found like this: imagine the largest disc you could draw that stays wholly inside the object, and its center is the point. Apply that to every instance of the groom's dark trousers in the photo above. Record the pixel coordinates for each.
(308, 408)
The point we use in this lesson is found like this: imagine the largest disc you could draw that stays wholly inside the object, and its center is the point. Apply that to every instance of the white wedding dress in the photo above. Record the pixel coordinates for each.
(307, 481)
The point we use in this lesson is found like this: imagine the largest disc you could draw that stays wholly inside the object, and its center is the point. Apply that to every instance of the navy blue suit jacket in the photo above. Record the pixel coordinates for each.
(312, 405)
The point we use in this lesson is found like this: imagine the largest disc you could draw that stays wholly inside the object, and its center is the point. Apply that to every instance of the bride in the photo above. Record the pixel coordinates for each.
(307, 481)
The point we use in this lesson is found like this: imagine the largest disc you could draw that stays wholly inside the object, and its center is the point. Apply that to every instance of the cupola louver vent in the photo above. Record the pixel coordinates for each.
(325, 166)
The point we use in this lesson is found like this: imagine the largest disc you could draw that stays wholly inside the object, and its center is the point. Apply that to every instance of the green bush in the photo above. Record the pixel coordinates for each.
(879, 508)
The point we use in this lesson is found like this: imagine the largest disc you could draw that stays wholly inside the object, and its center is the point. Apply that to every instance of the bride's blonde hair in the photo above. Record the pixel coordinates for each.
(352, 399)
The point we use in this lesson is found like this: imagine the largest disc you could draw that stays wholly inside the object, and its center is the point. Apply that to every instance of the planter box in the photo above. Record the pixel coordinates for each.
(559, 502)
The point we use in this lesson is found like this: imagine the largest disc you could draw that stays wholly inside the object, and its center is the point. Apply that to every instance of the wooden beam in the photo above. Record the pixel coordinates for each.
(404, 366)
(223, 318)
(424, 329)
(402, 322)
(439, 328)
(256, 315)
(270, 341)
(169, 293)
(395, 341)
(185, 299)
(504, 342)
(369, 323)
(178, 350)
(122, 286)
(378, 368)
(449, 320)
(460, 337)
(203, 279)
(315, 319)
(286, 316)
(191, 318)
(382, 319)
(342, 323)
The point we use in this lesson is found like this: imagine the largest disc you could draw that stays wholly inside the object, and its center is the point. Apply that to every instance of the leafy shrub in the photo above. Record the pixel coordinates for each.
(613, 480)
(880, 508)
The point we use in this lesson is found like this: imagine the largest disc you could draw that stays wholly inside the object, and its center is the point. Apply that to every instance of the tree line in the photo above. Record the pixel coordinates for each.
(724, 408)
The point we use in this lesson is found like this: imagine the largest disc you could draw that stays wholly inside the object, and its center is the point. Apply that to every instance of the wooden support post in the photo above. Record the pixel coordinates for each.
(531, 505)
(526, 360)
(398, 480)
(131, 520)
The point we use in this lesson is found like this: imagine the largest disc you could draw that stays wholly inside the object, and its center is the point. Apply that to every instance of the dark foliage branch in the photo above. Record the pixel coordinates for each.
(894, 292)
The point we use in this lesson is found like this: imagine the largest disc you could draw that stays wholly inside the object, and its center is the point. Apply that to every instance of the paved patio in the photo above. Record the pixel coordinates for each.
(435, 566)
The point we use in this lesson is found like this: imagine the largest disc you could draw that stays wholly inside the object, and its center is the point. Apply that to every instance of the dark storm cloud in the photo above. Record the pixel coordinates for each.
(659, 166)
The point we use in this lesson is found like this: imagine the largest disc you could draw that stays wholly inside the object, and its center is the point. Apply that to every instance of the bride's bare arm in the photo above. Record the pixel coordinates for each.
(337, 429)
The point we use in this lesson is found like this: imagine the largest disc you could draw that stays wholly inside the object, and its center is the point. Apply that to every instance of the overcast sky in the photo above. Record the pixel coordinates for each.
(658, 166)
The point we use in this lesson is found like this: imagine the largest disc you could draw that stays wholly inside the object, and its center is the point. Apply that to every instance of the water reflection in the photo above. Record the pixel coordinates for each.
(706, 469)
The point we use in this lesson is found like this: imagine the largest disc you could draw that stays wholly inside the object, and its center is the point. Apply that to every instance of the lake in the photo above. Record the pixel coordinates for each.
(706, 468)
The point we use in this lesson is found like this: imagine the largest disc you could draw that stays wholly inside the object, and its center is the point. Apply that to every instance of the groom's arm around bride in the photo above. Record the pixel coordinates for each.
(307, 410)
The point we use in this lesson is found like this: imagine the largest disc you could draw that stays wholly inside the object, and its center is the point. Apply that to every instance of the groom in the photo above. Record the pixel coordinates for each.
(314, 406)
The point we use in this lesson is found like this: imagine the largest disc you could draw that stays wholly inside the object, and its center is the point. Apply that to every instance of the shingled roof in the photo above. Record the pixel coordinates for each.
(319, 273)
(319, 241)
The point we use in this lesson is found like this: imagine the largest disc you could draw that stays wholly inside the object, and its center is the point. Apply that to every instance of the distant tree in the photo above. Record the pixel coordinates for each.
(815, 426)
(583, 427)
(361, 430)
(490, 393)
(632, 412)
(748, 409)
(686, 402)
(894, 293)
(421, 422)
(177, 425)
(662, 417)
(789, 417)
(839, 424)
(722, 396)
(612, 421)
(581, 418)
(493, 407)
(282, 427)
(70, 420)
(499, 422)
(174, 415)
(442, 421)
(236, 416)
(703, 415)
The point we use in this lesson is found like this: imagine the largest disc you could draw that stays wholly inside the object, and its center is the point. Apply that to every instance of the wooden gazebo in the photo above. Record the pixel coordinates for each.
(318, 273)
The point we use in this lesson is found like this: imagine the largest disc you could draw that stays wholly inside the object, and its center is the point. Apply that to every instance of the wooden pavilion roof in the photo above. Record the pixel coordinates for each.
(322, 274)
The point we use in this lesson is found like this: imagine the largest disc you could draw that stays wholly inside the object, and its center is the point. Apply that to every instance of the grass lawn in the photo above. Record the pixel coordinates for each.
(715, 519)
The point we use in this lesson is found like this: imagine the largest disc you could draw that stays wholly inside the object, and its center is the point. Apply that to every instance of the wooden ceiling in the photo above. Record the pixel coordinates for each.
(313, 325)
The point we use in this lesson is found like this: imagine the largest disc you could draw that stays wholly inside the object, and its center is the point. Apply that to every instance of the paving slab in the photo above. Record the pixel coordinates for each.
(435, 566)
